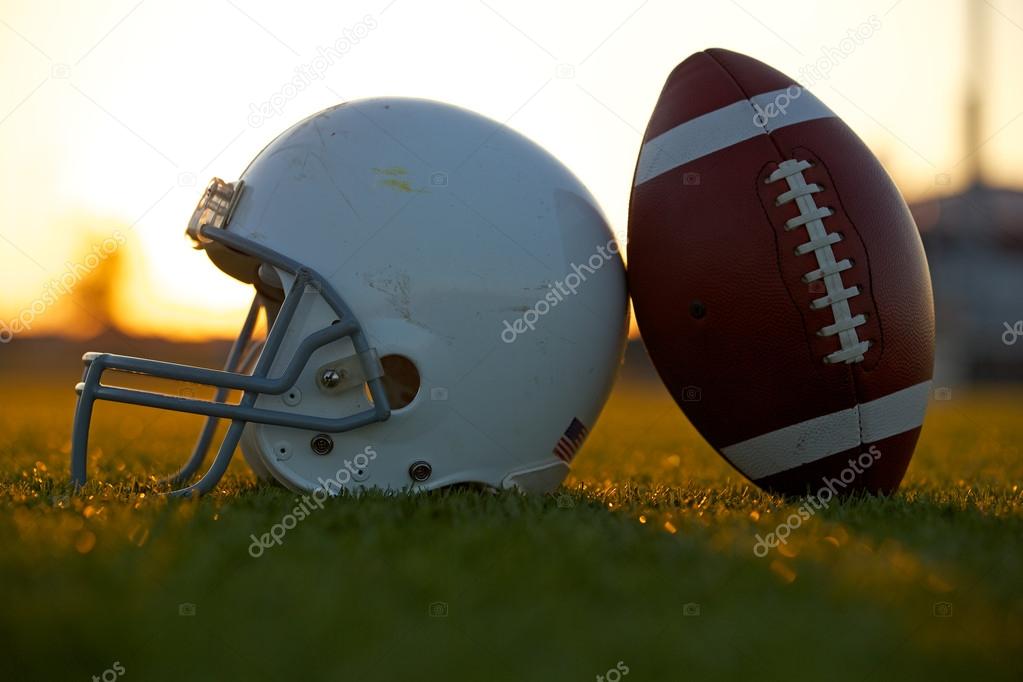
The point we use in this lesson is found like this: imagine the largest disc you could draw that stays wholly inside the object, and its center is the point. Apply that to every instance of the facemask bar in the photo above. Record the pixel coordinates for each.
(252, 385)
(235, 362)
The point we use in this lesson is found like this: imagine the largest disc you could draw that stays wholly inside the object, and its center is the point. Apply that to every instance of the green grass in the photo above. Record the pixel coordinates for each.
(558, 587)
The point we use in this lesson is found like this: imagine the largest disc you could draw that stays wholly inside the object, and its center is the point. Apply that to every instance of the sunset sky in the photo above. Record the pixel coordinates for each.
(114, 115)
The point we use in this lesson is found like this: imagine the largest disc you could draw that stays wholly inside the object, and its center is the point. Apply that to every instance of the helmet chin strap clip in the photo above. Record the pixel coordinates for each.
(349, 372)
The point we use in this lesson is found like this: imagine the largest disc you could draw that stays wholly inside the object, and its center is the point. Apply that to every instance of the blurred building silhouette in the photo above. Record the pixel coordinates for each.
(974, 243)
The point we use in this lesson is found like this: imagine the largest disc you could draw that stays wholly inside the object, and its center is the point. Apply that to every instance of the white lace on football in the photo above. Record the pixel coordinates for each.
(837, 297)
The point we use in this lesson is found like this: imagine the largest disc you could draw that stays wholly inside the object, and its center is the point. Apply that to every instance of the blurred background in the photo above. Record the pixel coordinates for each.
(116, 113)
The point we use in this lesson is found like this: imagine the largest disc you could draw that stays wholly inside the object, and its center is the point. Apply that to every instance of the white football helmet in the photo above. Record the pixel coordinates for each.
(445, 303)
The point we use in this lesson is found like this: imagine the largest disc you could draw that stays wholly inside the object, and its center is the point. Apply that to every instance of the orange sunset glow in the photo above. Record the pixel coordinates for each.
(115, 114)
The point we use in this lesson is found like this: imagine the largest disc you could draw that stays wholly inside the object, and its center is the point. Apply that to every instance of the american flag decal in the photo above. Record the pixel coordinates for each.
(572, 439)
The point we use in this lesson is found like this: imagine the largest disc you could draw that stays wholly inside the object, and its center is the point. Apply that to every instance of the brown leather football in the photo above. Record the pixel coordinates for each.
(779, 281)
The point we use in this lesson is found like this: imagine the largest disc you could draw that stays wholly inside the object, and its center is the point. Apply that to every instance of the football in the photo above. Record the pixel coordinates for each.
(779, 281)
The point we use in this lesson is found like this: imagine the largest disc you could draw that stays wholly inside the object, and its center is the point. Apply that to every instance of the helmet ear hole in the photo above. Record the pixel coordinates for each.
(401, 380)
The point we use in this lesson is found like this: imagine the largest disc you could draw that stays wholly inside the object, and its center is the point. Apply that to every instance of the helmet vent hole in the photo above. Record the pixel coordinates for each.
(401, 380)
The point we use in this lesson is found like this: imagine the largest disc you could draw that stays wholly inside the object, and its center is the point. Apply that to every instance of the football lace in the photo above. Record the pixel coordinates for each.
(811, 217)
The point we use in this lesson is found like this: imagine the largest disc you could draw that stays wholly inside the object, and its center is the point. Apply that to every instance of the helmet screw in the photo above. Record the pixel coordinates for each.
(322, 444)
(420, 471)
(330, 378)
